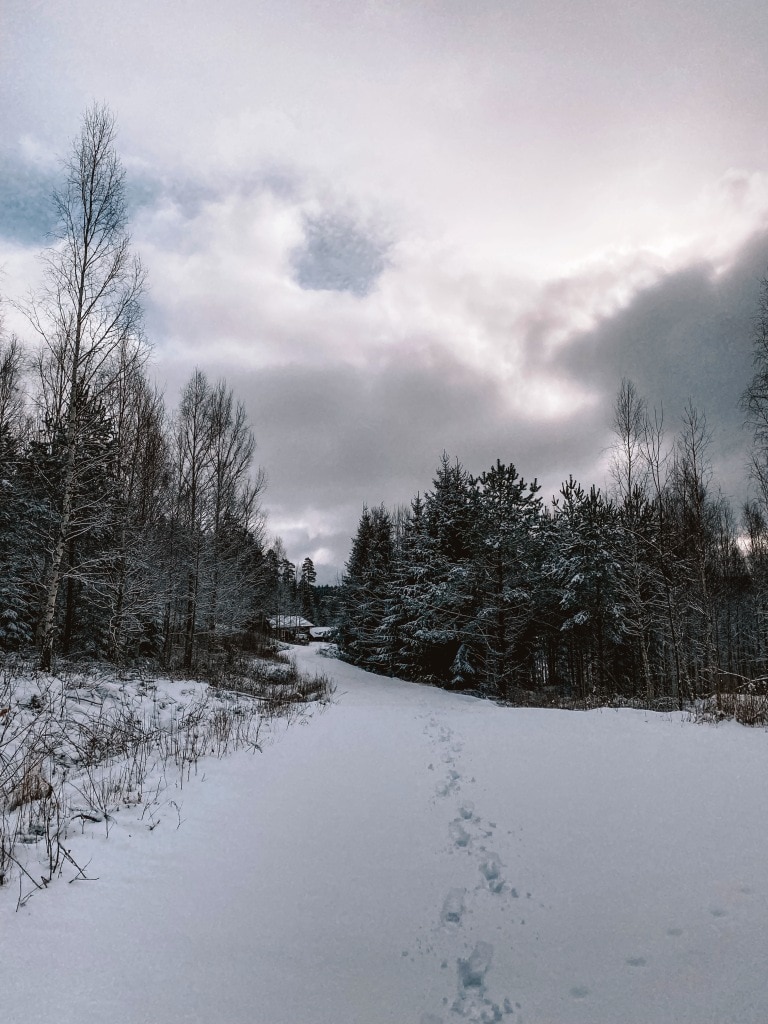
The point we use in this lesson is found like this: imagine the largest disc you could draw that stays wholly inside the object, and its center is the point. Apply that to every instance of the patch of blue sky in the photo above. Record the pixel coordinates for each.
(26, 212)
(339, 255)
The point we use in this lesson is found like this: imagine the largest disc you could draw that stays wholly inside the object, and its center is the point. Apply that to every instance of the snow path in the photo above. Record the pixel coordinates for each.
(413, 857)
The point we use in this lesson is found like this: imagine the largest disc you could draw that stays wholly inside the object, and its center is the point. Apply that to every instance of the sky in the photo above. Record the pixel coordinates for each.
(398, 228)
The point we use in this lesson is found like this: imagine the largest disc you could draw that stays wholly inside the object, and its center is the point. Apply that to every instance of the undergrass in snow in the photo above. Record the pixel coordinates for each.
(83, 745)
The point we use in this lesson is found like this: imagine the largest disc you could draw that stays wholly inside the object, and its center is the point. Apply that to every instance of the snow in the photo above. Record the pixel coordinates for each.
(411, 856)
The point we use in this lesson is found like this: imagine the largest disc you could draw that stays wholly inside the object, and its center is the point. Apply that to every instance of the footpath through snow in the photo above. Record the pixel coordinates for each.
(411, 856)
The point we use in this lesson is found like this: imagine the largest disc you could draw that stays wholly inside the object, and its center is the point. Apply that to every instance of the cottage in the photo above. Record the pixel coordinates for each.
(291, 629)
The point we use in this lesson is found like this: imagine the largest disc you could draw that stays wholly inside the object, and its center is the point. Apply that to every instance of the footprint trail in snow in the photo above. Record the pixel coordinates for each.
(473, 957)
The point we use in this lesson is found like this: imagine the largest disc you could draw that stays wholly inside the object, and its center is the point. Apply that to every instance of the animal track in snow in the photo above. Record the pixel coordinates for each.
(459, 835)
(473, 970)
(450, 785)
(453, 907)
(490, 869)
(636, 961)
(579, 992)
(471, 1002)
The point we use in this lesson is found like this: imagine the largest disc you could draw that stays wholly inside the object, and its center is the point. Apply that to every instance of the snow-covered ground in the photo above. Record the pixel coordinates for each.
(412, 856)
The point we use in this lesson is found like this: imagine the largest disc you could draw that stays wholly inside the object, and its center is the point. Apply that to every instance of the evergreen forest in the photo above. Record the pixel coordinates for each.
(655, 593)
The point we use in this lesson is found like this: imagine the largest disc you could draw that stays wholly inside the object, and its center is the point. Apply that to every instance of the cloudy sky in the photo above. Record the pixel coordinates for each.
(403, 226)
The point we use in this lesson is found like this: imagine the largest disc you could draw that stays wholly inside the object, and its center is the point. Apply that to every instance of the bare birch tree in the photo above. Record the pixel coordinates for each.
(87, 311)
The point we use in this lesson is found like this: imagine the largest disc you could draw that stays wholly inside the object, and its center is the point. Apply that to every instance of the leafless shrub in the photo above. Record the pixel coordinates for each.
(747, 708)
(77, 746)
(32, 786)
(279, 685)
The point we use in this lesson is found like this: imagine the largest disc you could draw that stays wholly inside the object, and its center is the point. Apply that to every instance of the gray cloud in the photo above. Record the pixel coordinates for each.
(687, 337)
(335, 437)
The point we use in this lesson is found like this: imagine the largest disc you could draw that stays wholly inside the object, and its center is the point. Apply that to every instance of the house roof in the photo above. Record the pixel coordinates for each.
(289, 622)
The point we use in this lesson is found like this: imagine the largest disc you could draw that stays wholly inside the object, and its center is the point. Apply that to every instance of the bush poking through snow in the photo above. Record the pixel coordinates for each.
(278, 684)
(31, 787)
(747, 708)
(77, 746)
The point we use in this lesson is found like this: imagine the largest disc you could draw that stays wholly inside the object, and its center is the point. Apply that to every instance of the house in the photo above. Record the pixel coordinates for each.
(292, 629)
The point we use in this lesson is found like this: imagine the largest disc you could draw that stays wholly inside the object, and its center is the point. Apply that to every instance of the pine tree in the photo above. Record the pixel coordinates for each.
(584, 571)
(307, 581)
(505, 569)
(365, 591)
(19, 550)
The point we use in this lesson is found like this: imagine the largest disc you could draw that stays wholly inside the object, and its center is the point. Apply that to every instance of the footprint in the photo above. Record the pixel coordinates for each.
(450, 785)
(718, 912)
(636, 961)
(459, 834)
(470, 1001)
(467, 810)
(473, 970)
(453, 907)
(674, 932)
(490, 869)
(579, 992)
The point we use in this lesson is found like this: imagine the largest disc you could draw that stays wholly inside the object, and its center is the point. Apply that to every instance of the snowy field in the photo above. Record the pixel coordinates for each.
(411, 856)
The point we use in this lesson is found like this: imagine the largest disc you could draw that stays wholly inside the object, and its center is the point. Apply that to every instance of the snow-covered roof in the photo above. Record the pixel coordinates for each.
(322, 630)
(289, 622)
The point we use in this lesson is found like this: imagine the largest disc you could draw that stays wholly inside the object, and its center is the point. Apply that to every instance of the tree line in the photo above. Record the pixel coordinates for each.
(124, 529)
(656, 592)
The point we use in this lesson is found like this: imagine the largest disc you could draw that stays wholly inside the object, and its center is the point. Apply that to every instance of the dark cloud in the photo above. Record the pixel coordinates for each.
(688, 337)
(336, 437)
(339, 254)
